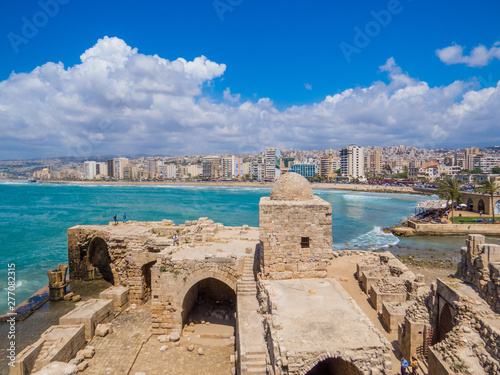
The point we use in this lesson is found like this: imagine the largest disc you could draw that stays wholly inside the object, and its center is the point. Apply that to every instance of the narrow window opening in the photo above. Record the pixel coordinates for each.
(304, 242)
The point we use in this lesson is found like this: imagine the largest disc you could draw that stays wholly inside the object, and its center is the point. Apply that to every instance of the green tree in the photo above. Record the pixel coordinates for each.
(449, 189)
(495, 170)
(491, 188)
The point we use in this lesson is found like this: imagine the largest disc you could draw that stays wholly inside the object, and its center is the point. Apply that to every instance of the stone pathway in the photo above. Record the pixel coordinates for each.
(116, 353)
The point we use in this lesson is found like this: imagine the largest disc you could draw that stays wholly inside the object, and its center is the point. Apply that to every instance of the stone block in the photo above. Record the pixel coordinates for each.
(90, 313)
(119, 295)
(367, 281)
(65, 342)
(392, 316)
(377, 298)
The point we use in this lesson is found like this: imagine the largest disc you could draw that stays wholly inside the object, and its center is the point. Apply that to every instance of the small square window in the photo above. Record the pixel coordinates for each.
(304, 242)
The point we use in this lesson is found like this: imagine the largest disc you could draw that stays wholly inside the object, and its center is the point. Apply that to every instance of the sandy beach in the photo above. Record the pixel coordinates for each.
(326, 186)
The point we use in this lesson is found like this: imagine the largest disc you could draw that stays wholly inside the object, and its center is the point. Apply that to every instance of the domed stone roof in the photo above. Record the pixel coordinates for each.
(291, 187)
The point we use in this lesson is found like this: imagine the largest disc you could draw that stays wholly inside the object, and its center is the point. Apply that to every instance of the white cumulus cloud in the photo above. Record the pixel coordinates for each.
(119, 101)
(479, 56)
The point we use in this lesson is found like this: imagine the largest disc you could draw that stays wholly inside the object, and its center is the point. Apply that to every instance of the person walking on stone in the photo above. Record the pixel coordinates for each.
(116, 220)
(176, 239)
(124, 218)
(414, 366)
(404, 366)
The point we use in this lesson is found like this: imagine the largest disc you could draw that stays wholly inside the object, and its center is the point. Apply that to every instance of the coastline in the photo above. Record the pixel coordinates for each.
(240, 184)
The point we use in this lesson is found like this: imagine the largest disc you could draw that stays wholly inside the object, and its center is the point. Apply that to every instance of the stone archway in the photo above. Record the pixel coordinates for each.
(99, 261)
(470, 204)
(480, 206)
(209, 299)
(334, 366)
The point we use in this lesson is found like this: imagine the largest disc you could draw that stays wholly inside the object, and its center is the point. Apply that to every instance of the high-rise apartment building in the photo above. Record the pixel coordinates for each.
(211, 167)
(151, 165)
(231, 167)
(352, 162)
(111, 167)
(272, 163)
(118, 165)
(101, 169)
(90, 170)
(470, 154)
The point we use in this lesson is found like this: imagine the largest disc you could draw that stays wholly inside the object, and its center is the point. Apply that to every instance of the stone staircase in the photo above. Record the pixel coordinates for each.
(255, 362)
(44, 355)
(253, 349)
(247, 284)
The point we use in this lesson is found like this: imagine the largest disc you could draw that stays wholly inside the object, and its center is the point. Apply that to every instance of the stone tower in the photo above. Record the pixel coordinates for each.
(295, 230)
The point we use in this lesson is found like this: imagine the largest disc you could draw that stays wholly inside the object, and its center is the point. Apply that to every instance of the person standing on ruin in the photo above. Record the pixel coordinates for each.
(124, 218)
(116, 220)
(176, 239)
(404, 366)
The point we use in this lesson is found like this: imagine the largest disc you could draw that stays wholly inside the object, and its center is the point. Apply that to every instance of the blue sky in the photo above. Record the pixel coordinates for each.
(287, 51)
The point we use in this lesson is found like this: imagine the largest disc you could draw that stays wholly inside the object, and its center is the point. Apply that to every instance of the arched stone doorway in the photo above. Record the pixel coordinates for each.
(470, 204)
(210, 300)
(334, 366)
(99, 262)
(480, 206)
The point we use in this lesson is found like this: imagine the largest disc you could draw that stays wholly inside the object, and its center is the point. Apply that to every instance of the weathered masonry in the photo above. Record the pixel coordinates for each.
(271, 281)
(295, 230)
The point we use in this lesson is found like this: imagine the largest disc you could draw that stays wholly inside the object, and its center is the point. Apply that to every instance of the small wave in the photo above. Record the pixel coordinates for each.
(19, 283)
(377, 238)
(365, 197)
(13, 183)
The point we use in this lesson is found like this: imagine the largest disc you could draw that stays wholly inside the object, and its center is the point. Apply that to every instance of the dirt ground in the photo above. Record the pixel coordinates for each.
(211, 329)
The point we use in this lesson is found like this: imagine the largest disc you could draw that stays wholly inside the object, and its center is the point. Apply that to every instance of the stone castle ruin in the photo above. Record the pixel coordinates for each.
(270, 284)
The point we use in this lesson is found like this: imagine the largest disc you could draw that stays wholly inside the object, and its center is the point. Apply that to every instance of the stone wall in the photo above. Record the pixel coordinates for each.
(447, 229)
(283, 225)
(480, 266)
(125, 254)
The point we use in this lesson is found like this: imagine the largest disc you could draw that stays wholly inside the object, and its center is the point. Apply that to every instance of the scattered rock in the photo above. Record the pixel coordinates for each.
(312, 292)
(200, 351)
(58, 368)
(133, 306)
(190, 348)
(68, 296)
(175, 336)
(163, 348)
(82, 366)
(162, 338)
(76, 298)
(102, 330)
(87, 353)
(344, 279)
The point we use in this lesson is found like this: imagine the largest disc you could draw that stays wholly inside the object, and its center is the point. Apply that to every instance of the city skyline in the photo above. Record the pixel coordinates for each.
(368, 77)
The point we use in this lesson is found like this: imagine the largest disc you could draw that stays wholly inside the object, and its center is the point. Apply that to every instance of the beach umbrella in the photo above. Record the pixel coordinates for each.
(462, 205)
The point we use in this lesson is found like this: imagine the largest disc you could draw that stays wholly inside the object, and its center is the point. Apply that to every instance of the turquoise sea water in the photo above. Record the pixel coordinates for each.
(34, 219)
